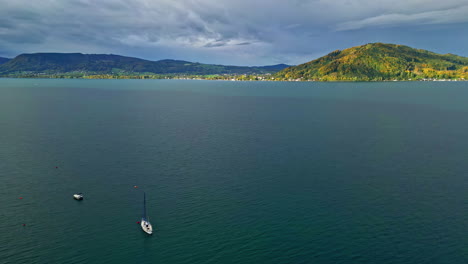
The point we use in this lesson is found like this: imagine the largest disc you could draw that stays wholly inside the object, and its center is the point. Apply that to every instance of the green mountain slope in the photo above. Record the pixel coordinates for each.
(3, 60)
(50, 63)
(379, 61)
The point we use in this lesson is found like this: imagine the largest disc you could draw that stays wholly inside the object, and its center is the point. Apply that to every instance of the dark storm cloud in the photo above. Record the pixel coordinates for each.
(231, 32)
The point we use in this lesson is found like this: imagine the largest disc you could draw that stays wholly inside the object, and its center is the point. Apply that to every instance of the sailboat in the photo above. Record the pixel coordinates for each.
(145, 224)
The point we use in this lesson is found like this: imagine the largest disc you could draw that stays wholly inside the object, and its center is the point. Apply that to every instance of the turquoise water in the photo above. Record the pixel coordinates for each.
(235, 172)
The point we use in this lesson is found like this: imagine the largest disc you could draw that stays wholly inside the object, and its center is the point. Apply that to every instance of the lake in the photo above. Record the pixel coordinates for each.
(234, 172)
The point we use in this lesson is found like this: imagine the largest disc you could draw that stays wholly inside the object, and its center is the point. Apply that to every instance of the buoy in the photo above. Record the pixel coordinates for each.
(24, 224)
(135, 186)
(21, 198)
(138, 222)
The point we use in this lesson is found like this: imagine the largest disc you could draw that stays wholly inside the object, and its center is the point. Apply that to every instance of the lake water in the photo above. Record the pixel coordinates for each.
(234, 172)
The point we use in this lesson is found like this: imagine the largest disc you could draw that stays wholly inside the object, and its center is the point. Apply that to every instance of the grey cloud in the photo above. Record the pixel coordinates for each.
(6, 23)
(215, 44)
(456, 15)
(222, 43)
(219, 31)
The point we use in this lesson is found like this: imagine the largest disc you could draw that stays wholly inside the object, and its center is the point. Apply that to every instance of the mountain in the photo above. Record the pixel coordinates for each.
(3, 60)
(52, 63)
(379, 61)
(275, 68)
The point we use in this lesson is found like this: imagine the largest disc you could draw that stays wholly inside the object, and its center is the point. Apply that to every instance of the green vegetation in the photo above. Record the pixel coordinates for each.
(371, 62)
(123, 75)
(77, 65)
(3, 60)
(379, 62)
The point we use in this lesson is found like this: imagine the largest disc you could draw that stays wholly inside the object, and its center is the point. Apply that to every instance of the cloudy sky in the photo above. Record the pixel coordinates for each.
(234, 32)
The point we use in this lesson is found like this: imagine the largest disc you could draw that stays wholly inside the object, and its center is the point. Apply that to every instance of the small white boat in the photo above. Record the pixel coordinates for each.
(78, 196)
(145, 223)
(146, 226)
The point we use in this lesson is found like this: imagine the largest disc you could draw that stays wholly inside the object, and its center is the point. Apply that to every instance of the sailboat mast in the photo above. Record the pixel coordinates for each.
(144, 205)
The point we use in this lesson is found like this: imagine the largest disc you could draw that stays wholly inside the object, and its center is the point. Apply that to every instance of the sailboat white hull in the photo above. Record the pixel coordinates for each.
(146, 226)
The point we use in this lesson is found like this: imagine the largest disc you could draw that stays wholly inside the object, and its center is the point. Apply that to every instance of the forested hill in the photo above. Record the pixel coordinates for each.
(52, 63)
(379, 61)
(3, 60)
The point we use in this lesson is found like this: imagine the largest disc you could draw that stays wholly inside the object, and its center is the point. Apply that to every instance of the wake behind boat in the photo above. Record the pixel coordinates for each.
(145, 223)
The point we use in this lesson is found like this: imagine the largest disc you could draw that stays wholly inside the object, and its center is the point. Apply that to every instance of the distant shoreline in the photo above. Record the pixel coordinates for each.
(372, 62)
(245, 79)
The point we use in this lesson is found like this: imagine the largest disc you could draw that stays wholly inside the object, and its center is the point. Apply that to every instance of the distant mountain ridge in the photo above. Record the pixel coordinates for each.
(111, 64)
(378, 62)
(3, 60)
